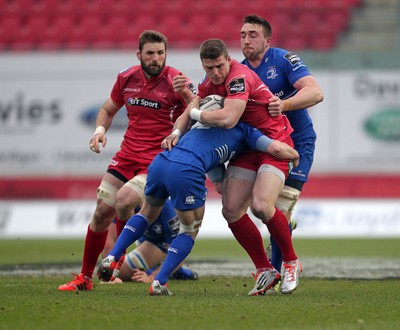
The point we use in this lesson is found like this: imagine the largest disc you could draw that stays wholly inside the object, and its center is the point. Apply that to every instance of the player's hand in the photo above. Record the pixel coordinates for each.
(170, 141)
(141, 276)
(94, 143)
(275, 106)
(181, 83)
(296, 161)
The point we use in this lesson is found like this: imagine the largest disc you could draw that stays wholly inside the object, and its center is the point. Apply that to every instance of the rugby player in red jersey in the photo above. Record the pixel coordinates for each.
(153, 102)
(253, 179)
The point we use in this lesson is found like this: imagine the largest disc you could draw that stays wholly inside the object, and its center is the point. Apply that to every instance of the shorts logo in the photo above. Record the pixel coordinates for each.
(292, 58)
(190, 200)
(237, 86)
(137, 101)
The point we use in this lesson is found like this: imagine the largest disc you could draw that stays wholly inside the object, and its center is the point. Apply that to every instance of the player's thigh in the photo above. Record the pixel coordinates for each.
(236, 194)
(132, 192)
(265, 194)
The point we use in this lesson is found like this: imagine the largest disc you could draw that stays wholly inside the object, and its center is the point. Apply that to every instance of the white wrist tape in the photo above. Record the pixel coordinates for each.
(177, 132)
(195, 114)
(100, 130)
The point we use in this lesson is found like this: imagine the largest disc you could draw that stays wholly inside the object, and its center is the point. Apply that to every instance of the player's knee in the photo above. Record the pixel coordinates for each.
(102, 217)
(262, 210)
(232, 212)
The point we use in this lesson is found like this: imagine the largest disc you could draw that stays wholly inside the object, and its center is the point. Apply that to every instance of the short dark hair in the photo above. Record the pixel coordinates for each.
(254, 19)
(151, 36)
(212, 49)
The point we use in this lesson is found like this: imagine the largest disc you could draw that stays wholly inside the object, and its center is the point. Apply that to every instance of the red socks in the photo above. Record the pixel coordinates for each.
(119, 225)
(249, 237)
(94, 245)
(279, 230)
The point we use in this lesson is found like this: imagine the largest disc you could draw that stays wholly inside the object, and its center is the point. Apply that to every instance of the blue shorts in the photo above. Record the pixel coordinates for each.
(305, 147)
(185, 184)
(162, 231)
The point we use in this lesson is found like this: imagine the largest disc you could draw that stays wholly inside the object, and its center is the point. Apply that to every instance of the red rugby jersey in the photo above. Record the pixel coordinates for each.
(152, 108)
(243, 83)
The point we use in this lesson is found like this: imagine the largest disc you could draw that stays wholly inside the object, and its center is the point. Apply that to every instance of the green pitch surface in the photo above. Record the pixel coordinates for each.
(212, 302)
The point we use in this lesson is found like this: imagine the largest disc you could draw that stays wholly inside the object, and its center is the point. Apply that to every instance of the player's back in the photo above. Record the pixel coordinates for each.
(205, 147)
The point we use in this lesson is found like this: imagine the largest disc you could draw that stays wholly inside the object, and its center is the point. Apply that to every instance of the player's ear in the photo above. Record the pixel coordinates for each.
(138, 55)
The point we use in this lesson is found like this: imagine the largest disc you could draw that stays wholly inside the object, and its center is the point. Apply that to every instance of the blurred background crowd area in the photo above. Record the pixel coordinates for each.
(333, 33)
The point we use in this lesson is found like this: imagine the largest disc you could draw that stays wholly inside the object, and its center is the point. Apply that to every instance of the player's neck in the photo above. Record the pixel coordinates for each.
(255, 63)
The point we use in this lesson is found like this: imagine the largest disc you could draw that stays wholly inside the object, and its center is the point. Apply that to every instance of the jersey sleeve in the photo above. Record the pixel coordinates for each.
(254, 138)
(116, 93)
(294, 67)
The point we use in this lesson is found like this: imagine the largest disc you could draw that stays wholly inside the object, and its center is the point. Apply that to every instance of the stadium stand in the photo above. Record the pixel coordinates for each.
(28, 25)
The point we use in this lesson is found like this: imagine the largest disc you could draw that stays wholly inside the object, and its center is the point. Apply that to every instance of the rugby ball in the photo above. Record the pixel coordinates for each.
(211, 103)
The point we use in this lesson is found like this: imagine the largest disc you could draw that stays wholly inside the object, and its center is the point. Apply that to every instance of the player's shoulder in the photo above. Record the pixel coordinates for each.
(129, 71)
(284, 56)
(171, 71)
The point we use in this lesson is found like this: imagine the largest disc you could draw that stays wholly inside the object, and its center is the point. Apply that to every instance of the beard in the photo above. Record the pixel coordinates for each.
(152, 69)
(252, 54)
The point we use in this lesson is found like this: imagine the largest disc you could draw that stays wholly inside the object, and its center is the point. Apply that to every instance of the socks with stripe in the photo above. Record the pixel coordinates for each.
(133, 230)
(177, 252)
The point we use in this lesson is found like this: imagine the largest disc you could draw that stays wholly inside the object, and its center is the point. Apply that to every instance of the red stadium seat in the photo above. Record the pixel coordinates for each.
(82, 33)
(16, 8)
(226, 27)
(171, 26)
(59, 32)
(322, 41)
(9, 27)
(294, 42)
(45, 8)
(108, 35)
(118, 23)
(197, 29)
(337, 19)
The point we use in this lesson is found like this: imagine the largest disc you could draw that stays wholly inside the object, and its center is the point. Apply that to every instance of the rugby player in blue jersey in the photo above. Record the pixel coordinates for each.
(143, 262)
(295, 90)
(179, 173)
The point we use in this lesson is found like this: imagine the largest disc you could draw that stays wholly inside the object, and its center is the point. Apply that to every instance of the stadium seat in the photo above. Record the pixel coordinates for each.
(226, 27)
(171, 23)
(186, 24)
(337, 19)
(196, 30)
(20, 8)
(82, 33)
(322, 41)
(45, 8)
(9, 27)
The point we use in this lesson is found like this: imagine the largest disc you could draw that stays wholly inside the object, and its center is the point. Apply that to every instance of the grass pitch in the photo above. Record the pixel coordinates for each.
(212, 302)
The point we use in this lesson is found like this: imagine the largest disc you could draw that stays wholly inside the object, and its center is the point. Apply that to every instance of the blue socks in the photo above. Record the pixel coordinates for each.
(177, 252)
(133, 230)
